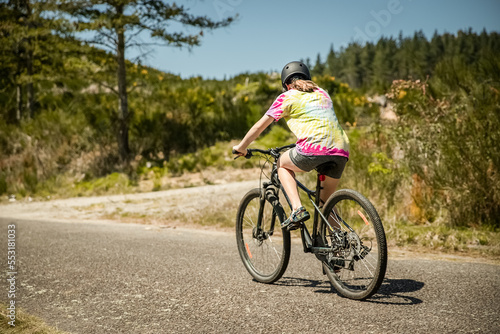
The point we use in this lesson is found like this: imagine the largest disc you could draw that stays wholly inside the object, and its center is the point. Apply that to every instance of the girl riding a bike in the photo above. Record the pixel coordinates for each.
(321, 141)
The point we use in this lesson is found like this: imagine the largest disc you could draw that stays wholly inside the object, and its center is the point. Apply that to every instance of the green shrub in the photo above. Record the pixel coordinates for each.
(114, 183)
(448, 130)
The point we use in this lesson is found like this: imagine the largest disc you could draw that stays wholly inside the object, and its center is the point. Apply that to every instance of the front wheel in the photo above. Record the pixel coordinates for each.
(263, 246)
(358, 260)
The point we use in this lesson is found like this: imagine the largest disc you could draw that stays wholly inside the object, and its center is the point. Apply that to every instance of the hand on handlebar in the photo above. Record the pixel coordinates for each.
(241, 152)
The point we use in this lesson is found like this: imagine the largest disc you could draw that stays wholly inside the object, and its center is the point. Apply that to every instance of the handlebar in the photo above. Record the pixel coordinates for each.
(275, 152)
(248, 156)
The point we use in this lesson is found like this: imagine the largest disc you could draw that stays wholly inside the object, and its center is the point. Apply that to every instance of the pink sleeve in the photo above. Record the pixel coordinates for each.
(276, 109)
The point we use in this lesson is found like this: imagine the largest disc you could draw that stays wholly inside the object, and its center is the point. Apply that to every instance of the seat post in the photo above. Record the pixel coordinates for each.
(317, 201)
(321, 178)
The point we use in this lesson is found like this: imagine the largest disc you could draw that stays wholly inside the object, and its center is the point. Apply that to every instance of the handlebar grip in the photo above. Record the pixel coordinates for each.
(248, 156)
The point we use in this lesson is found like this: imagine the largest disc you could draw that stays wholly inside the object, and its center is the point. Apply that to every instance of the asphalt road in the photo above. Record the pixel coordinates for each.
(127, 278)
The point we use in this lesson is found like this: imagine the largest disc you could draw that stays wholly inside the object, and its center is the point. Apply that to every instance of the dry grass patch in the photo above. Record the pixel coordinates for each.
(24, 323)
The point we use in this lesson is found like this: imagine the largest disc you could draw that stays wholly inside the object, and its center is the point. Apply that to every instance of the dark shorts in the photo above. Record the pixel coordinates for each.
(334, 164)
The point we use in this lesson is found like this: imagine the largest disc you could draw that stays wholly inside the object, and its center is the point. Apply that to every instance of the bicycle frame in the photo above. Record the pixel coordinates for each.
(311, 244)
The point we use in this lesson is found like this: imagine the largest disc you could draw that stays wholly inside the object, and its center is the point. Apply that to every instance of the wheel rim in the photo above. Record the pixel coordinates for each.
(361, 266)
(263, 248)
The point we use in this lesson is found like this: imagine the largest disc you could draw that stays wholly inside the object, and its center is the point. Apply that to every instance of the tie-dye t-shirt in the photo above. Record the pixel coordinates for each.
(311, 118)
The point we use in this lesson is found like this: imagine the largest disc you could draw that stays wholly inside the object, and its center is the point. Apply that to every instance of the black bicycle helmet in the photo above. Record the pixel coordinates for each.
(294, 69)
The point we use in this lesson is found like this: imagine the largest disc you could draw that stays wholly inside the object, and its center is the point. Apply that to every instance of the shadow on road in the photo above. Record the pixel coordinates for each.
(324, 286)
(392, 291)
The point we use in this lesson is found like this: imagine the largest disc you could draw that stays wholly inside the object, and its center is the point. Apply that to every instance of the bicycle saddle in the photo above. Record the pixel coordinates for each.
(321, 169)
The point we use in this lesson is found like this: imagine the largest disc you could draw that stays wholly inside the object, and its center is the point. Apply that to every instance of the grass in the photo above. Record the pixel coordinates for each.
(443, 238)
(24, 323)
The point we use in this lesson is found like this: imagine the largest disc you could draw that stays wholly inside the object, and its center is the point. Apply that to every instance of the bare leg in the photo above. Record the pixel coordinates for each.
(286, 173)
(329, 187)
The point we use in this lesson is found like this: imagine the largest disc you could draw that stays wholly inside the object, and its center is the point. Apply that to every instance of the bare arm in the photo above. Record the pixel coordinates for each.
(253, 133)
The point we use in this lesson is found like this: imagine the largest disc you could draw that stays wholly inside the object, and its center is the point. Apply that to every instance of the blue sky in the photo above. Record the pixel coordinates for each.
(269, 34)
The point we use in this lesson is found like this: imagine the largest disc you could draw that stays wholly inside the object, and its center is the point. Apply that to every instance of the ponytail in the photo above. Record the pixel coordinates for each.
(307, 86)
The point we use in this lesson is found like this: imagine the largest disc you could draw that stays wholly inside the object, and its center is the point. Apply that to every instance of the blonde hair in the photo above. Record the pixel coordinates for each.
(307, 86)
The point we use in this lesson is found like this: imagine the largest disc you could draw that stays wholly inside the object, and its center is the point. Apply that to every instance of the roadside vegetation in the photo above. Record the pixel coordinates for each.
(24, 323)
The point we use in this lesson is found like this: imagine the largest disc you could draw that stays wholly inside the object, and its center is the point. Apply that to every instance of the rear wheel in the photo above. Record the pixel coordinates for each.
(356, 267)
(263, 246)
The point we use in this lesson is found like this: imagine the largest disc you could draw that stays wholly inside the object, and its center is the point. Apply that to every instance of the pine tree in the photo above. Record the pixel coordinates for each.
(319, 67)
(419, 55)
(383, 64)
(116, 24)
(351, 67)
(436, 50)
(27, 45)
(366, 65)
(331, 62)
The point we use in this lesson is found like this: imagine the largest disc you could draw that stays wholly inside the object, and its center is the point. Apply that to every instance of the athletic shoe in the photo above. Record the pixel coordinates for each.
(296, 219)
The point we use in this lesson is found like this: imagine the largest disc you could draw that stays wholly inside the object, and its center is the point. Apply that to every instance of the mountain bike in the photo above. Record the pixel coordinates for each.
(347, 234)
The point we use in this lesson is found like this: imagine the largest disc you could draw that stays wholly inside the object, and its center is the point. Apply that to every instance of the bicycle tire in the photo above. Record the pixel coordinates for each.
(357, 272)
(265, 256)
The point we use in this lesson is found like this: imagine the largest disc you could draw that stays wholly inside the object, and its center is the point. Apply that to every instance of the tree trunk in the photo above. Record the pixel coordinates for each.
(123, 116)
(19, 102)
(30, 101)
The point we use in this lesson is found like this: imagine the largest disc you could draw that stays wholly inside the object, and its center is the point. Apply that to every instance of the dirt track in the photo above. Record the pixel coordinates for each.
(159, 207)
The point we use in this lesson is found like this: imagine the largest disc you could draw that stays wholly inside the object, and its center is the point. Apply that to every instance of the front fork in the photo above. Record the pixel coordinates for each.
(271, 194)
